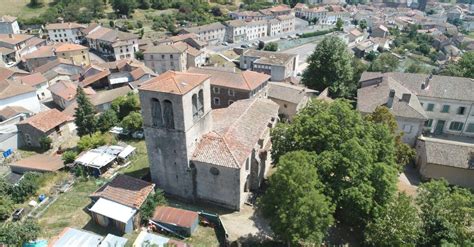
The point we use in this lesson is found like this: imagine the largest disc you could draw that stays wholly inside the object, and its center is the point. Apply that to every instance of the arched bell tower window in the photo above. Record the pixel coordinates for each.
(156, 115)
(200, 105)
(168, 117)
(195, 106)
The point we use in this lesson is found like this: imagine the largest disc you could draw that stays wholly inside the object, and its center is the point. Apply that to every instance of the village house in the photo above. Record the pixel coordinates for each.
(256, 30)
(64, 93)
(39, 82)
(41, 56)
(77, 54)
(450, 159)
(276, 64)
(59, 70)
(287, 23)
(14, 93)
(11, 73)
(50, 123)
(117, 203)
(225, 148)
(177, 56)
(69, 32)
(247, 16)
(290, 98)
(380, 31)
(16, 43)
(9, 24)
(236, 31)
(37, 163)
(118, 44)
(229, 86)
(275, 11)
(213, 33)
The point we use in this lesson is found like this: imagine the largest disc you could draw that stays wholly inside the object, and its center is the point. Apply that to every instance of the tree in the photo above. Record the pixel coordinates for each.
(17, 233)
(107, 120)
(144, 4)
(371, 56)
(416, 68)
(85, 121)
(148, 207)
(27, 186)
(404, 153)
(69, 156)
(123, 7)
(363, 24)
(397, 225)
(355, 157)
(272, 46)
(339, 24)
(91, 141)
(295, 195)
(216, 11)
(330, 66)
(464, 67)
(35, 3)
(45, 143)
(447, 214)
(124, 105)
(6, 206)
(132, 122)
(386, 62)
(358, 67)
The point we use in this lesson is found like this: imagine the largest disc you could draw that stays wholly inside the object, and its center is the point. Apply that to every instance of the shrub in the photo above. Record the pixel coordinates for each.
(317, 33)
(91, 141)
(69, 156)
(45, 143)
(148, 207)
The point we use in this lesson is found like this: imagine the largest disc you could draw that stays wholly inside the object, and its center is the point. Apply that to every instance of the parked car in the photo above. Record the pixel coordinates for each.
(18, 214)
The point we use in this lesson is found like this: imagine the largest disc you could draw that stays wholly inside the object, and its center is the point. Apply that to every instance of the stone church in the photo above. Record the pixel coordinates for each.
(197, 153)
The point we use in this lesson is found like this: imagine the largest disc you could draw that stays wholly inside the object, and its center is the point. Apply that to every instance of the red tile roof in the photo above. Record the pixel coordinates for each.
(40, 162)
(47, 120)
(10, 88)
(126, 190)
(174, 82)
(33, 79)
(175, 216)
(246, 80)
(66, 25)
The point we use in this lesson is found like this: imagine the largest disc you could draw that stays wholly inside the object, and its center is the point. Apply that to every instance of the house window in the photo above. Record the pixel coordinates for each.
(195, 106)
(217, 101)
(470, 128)
(445, 109)
(216, 90)
(407, 128)
(429, 123)
(456, 126)
(461, 110)
(171, 56)
(231, 92)
(430, 107)
(162, 56)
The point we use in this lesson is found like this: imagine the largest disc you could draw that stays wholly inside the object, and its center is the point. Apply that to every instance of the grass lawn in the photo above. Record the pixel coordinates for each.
(471, 35)
(20, 8)
(139, 166)
(69, 209)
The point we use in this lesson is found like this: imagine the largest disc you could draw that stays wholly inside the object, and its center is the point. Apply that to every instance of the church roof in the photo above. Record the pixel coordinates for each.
(174, 82)
(236, 131)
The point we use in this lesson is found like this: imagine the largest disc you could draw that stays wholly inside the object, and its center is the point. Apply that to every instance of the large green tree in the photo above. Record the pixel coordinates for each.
(356, 157)
(294, 203)
(85, 118)
(330, 66)
(17, 233)
(132, 122)
(447, 213)
(124, 105)
(404, 153)
(463, 68)
(398, 224)
(123, 7)
(386, 62)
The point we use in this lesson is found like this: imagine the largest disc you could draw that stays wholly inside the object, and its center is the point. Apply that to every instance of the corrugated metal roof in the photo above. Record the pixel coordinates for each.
(113, 210)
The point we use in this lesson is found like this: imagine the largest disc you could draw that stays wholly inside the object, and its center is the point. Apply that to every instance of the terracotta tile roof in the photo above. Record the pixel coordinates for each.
(108, 96)
(10, 88)
(40, 162)
(43, 51)
(49, 66)
(8, 73)
(94, 78)
(88, 29)
(236, 131)
(175, 216)
(14, 39)
(174, 82)
(35, 41)
(183, 46)
(65, 25)
(246, 80)
(64, 89)
(163, 48)
(33, 79)
(64, 47)
(6, 51)
(126, 190)
(205, 28)
(110, 35)
(287, 92)
(11, 111)
(47, 120)
(269, 57)
(137, 73)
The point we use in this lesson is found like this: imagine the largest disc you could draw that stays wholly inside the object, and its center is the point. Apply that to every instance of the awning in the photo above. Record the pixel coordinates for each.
(126, 152)
(113, 210)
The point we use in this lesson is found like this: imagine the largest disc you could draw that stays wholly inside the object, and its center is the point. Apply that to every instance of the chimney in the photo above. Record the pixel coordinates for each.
(426, 83)
(406, 97)
(391, 95)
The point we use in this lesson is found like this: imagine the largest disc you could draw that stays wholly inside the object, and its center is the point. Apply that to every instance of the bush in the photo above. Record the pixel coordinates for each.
(272, 46)
(317, 33)
(45, 143)
(69, 156)
(27, 187)
(148, 207)
(91, 141)
(6, 206)
(132, 122)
